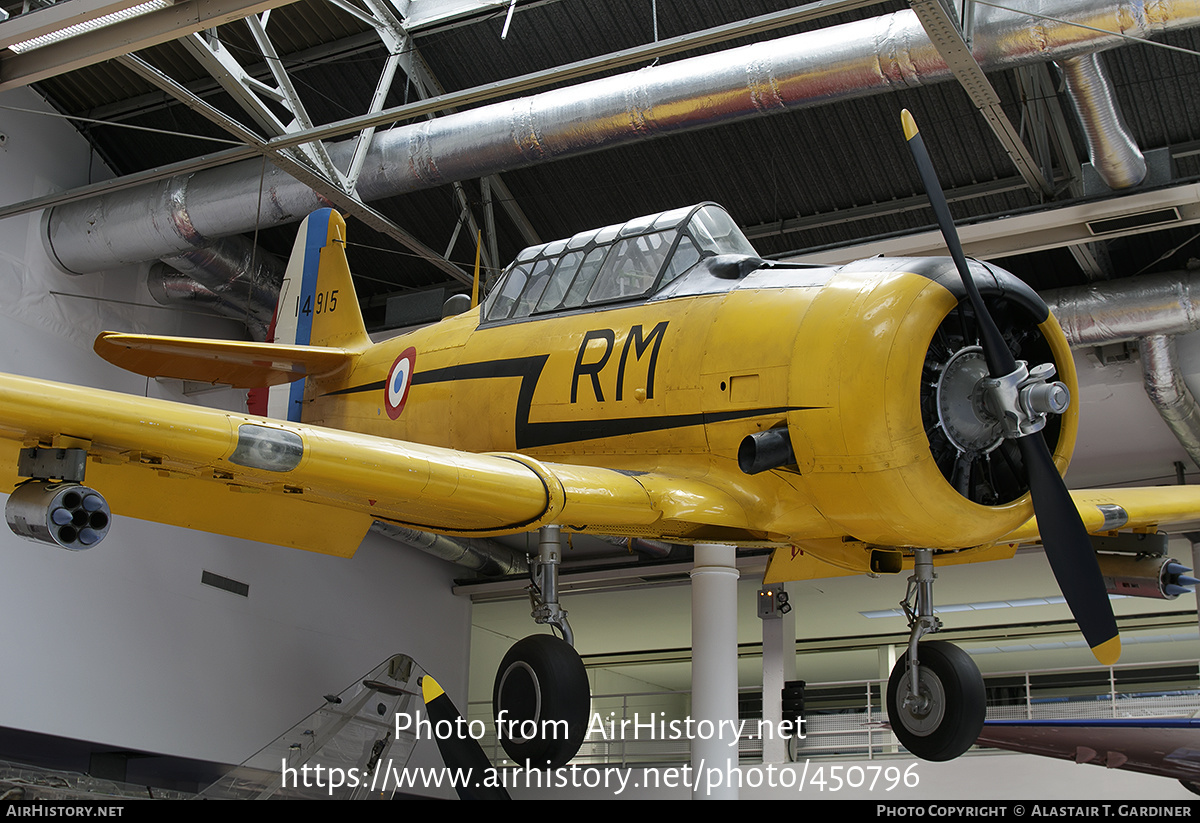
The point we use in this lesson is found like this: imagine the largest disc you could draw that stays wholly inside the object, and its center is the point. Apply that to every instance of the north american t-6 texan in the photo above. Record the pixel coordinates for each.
(655, 379)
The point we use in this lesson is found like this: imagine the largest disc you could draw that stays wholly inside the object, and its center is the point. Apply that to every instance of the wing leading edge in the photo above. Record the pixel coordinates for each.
(316, 488)
(1102, 510)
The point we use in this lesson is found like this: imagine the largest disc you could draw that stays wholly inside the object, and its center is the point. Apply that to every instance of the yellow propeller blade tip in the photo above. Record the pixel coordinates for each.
(430, 690)
(1108, 652)
(910, 125)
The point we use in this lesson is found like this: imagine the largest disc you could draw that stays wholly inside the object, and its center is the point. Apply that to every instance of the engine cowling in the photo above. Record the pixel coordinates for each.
(894, 444)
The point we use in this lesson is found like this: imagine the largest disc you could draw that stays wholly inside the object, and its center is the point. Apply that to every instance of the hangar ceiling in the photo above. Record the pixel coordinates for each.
(799, 181)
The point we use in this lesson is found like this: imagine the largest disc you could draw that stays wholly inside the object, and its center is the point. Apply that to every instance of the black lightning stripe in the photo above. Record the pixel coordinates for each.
(530, 434)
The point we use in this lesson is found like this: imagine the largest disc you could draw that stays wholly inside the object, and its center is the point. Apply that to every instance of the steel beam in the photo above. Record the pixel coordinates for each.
(327, 189)
(944, 34)
(129, 36)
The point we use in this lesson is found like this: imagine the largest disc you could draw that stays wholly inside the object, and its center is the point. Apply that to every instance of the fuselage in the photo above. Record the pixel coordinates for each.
(670, 382)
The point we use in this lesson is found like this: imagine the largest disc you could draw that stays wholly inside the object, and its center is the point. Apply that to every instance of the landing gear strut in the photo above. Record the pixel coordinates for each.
(541, 697)
(935, 696)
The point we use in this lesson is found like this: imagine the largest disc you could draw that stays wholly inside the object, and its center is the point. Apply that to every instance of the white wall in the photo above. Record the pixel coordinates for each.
(122, 644)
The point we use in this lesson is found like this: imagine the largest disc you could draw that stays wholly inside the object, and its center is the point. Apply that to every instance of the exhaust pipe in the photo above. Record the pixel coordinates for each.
(763, 451)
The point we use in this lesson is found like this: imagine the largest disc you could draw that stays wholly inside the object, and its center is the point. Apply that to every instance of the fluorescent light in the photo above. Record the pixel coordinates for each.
(1056, 600)
(89, 25)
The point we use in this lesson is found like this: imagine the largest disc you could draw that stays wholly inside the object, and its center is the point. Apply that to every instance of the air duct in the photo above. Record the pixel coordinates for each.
(1116, 310)
(823, 66)
(230, 276)
(1150, 310)
(1169, 394)
(1112, 149)
(487, 557)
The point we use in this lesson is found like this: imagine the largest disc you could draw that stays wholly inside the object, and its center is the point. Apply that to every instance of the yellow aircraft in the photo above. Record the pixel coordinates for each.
(653, 379)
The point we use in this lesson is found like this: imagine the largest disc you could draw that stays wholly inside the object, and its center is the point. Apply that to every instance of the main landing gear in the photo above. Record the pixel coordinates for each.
(935, 696)
(541, 698)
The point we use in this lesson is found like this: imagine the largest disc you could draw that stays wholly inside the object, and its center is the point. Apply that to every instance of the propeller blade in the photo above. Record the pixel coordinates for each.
(999, 359)
(1070, 551)
(460, 751)
(1063, 536)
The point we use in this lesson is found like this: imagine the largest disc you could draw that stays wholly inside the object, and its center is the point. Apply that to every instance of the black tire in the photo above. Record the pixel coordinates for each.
(541, 679)
(951, 680)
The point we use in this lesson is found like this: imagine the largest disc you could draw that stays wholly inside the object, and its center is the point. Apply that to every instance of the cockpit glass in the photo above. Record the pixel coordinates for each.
(586, 276)
(615, 263)
(716, 233)
(686, 255)
(500, 301)
(632, 267)
(562, 277)
(537, 284)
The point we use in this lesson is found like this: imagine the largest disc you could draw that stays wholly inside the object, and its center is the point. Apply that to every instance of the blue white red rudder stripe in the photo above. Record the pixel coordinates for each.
(317, 307)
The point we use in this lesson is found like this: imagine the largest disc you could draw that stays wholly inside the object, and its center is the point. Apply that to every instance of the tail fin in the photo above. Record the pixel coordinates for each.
(317, 304)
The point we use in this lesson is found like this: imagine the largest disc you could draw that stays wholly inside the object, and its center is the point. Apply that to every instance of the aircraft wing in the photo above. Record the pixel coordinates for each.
(1165, 746)
(316, 488)
(1102, 510)
(1137, 508)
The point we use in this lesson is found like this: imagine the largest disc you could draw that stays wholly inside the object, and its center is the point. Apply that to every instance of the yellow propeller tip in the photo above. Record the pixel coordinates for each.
(1108, 652)
(430, 690)
(910, 125)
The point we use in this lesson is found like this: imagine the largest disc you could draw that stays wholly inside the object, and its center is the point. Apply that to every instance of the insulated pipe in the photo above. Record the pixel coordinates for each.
(1116, 310)
(1169, 394)
(487, 557)
(1151, 310)
(170, 288)
(1112, 149)
(823, 66)
(230, 275)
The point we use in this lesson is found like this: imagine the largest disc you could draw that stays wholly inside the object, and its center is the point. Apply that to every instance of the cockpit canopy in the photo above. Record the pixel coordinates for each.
(615, 263)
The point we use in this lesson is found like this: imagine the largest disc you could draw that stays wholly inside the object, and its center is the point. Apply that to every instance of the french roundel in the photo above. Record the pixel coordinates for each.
(399, 379)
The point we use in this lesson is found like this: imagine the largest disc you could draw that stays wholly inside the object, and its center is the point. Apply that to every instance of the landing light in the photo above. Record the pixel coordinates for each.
(272, 450)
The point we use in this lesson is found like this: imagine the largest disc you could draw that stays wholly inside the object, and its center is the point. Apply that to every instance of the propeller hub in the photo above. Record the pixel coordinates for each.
(1021, 399)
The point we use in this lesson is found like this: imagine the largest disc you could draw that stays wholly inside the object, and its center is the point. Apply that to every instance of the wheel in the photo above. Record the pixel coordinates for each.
(948, 716)
(540, 702)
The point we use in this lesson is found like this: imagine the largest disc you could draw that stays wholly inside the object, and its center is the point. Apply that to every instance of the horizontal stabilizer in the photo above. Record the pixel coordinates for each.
(242, 365)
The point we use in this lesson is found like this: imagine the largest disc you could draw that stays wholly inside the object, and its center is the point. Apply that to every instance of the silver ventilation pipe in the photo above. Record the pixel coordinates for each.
(655, 549)
(1113, 151)
(1150, 310)
(487, 557)
(230, 276)
(812, 68)
(1127, 309)
(1167, 391)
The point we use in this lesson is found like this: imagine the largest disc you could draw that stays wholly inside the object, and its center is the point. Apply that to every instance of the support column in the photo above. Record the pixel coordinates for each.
(714, 672)
(887, 662)
(779, 666)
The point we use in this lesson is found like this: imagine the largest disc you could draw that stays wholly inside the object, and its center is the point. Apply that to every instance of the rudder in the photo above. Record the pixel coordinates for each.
(317, 303)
